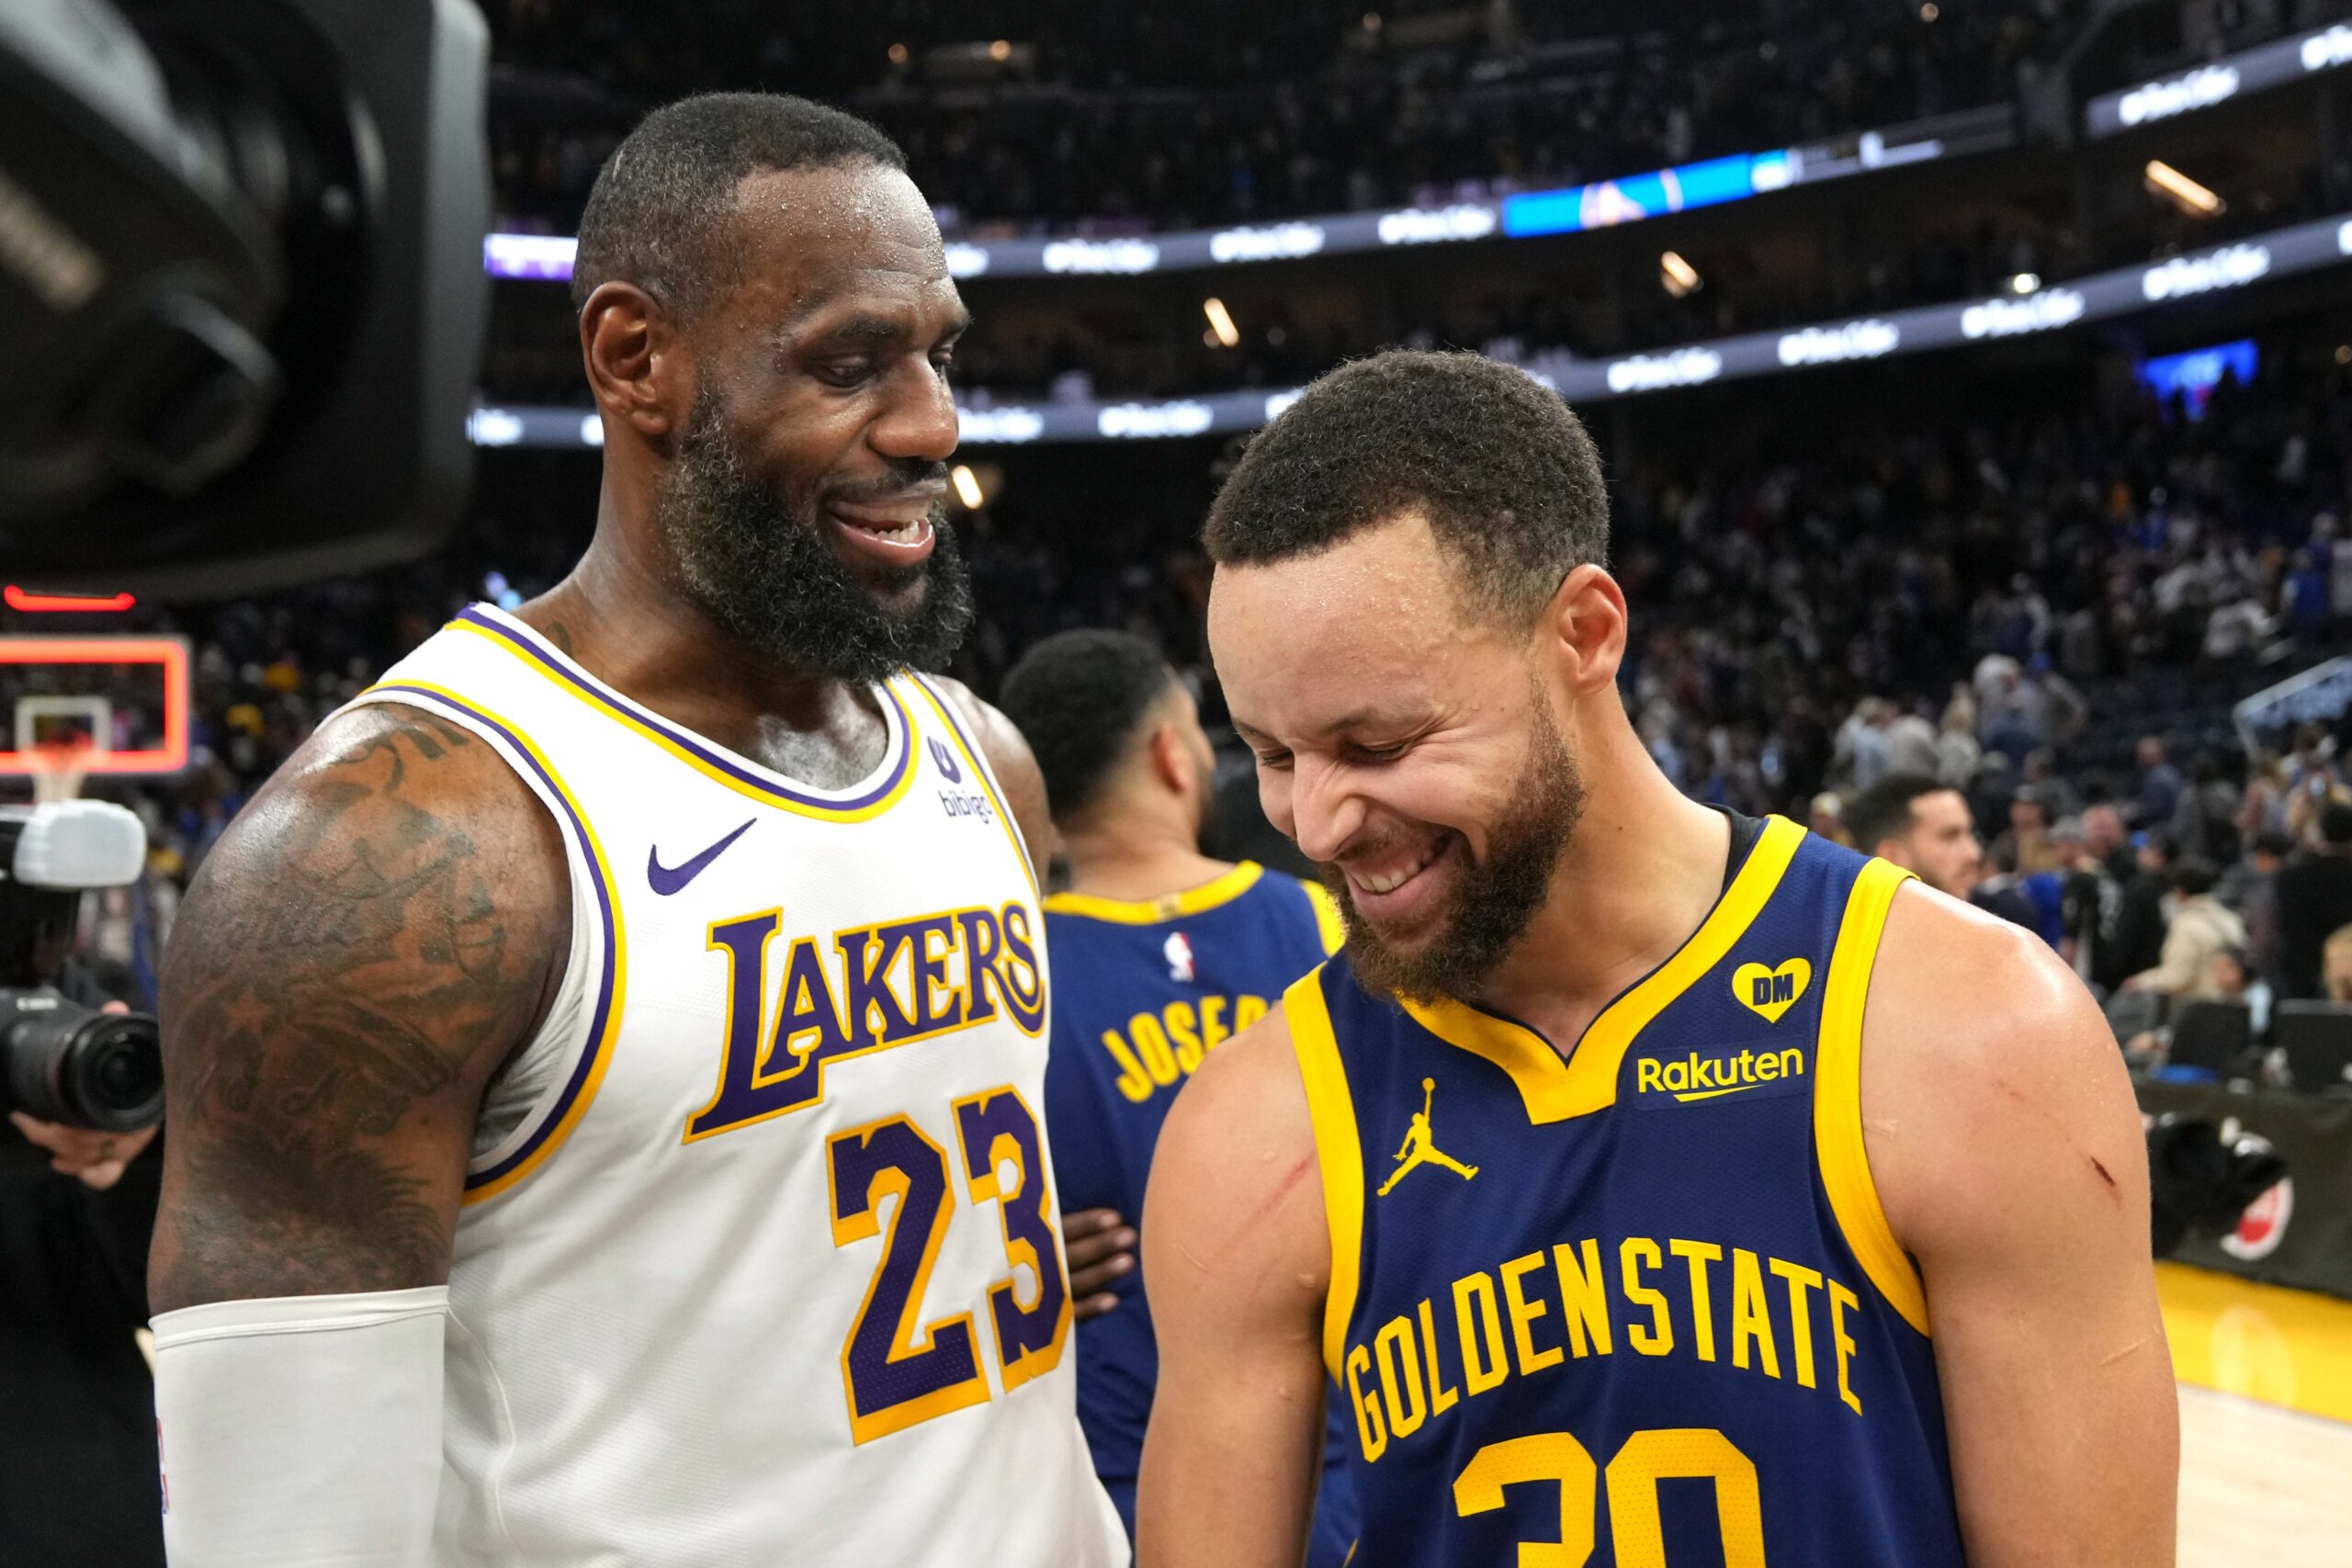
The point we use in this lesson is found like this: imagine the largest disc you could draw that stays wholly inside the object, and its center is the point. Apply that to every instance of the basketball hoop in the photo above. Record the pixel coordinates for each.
(57, 770)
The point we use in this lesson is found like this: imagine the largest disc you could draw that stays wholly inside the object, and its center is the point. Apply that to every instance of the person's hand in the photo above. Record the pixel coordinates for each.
(1101, 1251)
(98, 1159)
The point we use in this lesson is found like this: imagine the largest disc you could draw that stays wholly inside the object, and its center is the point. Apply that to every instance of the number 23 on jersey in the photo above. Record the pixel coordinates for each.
(898, 1368)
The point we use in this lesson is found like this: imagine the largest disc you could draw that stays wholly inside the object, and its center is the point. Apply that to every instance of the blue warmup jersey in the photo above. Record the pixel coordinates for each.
(1638, 1304)
(1141, 992)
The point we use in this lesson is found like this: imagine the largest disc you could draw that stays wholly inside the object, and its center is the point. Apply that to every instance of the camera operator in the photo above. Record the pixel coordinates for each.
(77, 1207)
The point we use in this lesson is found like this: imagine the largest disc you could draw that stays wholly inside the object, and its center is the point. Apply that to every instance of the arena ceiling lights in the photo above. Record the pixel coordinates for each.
(2305, 247)
(2271, 65)
(1600, 204)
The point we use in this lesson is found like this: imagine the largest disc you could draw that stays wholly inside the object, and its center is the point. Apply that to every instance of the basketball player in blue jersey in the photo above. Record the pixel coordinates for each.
(1161, 954)
(1648, 1185)
(605, 1064)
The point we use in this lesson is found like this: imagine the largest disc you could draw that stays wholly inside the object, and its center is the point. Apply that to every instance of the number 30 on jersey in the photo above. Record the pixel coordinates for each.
(898, 1369)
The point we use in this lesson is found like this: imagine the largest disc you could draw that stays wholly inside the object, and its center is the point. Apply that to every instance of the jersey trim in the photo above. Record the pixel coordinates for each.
(1837, 1143)
(988, 777)
(1337, 1153)
(1328, 921)
(870, 800)
(1220, 889)
(604, 1021)
(1554, 1088)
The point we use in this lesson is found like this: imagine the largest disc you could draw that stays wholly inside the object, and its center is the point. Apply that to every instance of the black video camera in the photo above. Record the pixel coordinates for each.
(241, 295)
(61, 1061)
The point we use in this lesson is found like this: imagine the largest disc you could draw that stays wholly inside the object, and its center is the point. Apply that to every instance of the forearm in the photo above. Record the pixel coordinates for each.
(1229, 1468)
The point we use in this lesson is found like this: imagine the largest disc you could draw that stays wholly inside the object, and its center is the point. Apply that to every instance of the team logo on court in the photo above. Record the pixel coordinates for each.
(1420, 1148)
(1770, 992)
(944, 755)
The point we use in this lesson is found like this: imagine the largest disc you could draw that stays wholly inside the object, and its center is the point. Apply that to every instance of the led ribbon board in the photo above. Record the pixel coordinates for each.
(2306, 247)
(2218, 80)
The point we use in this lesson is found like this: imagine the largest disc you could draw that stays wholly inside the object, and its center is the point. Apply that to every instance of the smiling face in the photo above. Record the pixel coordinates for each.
(1410, 749)
(802, 512)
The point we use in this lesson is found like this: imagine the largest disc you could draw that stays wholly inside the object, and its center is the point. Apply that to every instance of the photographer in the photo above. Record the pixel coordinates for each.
(78, 1185)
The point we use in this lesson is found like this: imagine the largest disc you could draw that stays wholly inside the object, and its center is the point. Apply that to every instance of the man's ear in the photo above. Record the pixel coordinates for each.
(629, 343)
(1169, 766)
(1584, 627)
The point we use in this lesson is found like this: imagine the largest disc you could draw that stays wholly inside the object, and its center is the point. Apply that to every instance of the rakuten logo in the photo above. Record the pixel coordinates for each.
(2034, 313)
(2232, 266)
(1825, 345)
(1154, 418)
(998, 426)
(1647, 372)
(2331, 47)
(1101, 255)
(2198, 90)
(1277, 243)
(1422, 226)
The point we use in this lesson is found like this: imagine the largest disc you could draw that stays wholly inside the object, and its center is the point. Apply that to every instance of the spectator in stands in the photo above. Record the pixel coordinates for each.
(2199, 930)
(1911, 745)
(2236, 981)
(2159, 794)
(2024, 844)
(2140, 922)
(1921, 825)
(2315, 901)
(1957, 756)
(2250, 887)
(2108, 843)
(1828, 816)
(2336, 965)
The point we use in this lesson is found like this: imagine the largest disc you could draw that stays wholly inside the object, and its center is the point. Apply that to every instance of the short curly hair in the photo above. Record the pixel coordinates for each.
(1506, 475)
(1079, 698)
(656, 216)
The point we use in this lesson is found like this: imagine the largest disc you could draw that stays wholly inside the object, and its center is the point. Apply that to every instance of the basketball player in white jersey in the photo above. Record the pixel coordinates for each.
(606, 1062)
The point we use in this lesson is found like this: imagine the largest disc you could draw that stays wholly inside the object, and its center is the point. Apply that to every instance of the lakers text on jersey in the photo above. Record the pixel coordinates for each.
(1637, 1302)
(759, 1258)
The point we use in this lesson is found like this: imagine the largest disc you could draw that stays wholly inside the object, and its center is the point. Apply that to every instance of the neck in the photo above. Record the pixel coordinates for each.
(1639, 873)
(1134, 856)
(619, 617)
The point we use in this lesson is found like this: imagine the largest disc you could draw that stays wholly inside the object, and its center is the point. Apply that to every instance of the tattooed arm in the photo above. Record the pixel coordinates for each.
(370, 940)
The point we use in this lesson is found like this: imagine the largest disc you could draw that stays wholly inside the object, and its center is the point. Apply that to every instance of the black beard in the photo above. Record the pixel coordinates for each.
(1495, 899)
(756, 565)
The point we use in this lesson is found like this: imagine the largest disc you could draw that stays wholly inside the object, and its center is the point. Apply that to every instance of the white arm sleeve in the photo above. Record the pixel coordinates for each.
(301, 1431)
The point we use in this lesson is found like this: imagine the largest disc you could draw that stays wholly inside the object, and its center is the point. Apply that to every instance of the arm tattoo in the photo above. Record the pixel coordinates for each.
(346, 985)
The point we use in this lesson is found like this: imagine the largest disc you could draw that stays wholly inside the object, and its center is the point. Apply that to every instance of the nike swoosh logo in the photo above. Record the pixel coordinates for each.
(667, 880)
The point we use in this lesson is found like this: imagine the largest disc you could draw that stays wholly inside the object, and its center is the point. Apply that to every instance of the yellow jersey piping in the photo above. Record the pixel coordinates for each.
(1337, 1153)
(1217, 891)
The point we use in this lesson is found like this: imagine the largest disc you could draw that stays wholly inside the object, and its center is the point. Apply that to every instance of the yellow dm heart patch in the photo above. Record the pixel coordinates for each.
(1772, 992)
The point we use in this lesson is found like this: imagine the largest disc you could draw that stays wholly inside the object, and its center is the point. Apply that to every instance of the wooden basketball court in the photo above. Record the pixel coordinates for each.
(2266, 1421)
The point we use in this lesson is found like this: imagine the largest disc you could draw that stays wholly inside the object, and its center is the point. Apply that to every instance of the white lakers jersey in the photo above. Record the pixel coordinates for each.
(759, 1262)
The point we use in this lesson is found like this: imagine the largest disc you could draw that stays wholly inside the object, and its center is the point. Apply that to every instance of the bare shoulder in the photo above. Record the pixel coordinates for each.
(1236, 1193)
(1990, 1081)
(373, 935)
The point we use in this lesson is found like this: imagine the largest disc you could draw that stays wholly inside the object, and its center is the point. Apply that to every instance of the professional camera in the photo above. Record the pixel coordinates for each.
(241, 296)
(60, 1061)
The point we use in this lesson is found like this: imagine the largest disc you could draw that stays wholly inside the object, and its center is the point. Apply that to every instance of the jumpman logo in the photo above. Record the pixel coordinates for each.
(1418, 1149)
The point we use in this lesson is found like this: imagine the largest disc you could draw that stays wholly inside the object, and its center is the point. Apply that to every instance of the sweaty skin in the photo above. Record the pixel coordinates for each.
(2002, 1137)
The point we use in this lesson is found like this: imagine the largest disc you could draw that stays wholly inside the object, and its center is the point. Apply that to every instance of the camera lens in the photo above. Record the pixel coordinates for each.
(85, 1069)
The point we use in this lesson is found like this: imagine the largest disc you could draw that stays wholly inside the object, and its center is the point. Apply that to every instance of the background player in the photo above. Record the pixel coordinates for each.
(603, 1065)
(1161, 954)
(1959, 1350)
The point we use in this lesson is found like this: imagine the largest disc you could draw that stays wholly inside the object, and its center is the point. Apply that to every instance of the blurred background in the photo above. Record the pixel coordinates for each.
(1974, 379)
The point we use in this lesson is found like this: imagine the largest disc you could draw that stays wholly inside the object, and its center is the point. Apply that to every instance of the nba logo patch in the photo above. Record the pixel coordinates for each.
(1179, 953)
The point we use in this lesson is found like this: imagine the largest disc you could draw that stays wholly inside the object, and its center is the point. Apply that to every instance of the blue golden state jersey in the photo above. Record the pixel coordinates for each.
(1637, 1302)
(1142, 991)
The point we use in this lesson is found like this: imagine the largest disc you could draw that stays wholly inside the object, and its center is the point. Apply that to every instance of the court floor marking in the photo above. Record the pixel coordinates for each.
(2289, 1348)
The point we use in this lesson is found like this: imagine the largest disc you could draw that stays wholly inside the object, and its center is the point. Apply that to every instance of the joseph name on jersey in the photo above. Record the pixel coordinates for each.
(759, 1258)
(1638, 1302)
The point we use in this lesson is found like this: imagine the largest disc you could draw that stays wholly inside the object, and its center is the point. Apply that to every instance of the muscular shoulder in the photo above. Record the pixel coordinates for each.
(1236, 1198)
(1991, 1084)
(380, 804)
